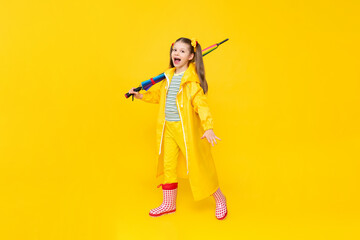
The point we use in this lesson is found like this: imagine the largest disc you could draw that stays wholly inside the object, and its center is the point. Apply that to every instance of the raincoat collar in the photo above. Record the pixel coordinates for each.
(187, 77)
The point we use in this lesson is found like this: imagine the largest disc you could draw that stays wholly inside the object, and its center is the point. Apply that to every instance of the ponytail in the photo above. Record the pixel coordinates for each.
(200, 69)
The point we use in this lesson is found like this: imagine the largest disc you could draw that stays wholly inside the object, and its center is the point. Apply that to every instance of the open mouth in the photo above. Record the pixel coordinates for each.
(177, 60)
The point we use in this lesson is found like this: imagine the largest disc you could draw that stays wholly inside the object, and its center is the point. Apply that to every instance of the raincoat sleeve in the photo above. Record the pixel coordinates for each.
(152, 95)
(200, 105)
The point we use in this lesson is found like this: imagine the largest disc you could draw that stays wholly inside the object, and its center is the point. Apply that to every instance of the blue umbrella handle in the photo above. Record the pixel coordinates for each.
(127, 95)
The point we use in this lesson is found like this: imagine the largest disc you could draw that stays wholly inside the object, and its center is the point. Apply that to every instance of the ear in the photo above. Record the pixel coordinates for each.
(191, 56)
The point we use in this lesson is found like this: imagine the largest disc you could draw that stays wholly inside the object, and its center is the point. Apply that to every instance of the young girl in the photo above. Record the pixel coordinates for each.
(184, 120)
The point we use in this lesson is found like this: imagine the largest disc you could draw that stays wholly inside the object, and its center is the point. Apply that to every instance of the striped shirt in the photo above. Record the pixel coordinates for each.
(171, 111)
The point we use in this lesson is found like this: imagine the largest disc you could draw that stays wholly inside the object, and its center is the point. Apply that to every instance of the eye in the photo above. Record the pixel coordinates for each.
(183, 51)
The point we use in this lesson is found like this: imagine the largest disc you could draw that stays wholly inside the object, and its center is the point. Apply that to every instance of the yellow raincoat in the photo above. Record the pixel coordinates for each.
(198, 164)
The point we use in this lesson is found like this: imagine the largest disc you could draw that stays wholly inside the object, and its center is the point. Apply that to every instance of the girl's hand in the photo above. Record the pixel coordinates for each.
(137, 95)
(210, 136)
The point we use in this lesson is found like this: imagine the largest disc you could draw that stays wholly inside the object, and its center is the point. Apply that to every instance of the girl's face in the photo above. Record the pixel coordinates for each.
(181, 54)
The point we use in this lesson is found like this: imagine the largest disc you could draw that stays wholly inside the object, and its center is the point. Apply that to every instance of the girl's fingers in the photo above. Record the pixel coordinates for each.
(132, 91)
(217, 138)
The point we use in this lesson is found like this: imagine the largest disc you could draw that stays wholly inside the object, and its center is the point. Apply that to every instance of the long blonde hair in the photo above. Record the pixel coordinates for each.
(198, 59)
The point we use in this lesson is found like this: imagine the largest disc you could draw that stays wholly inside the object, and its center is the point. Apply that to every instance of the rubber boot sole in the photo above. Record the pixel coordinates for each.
(160, 214)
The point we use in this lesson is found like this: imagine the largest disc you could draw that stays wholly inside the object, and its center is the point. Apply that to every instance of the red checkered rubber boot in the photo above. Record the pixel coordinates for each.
(169, 200)
(221, 209)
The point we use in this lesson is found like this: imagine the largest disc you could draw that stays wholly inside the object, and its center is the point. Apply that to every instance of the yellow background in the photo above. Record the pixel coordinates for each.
(78, 159)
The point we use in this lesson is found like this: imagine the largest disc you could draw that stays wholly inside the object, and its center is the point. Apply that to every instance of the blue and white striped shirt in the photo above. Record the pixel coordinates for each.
(171, 112)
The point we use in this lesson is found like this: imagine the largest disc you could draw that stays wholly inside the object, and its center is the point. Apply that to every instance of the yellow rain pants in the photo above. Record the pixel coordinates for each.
(173, 143)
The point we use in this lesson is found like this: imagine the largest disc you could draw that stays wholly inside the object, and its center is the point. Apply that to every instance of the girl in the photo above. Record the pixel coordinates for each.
(184, 119)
